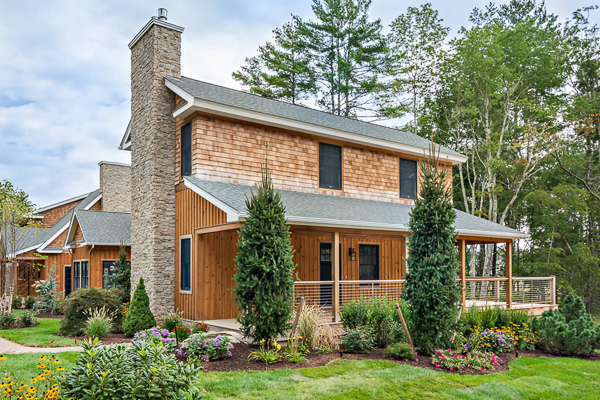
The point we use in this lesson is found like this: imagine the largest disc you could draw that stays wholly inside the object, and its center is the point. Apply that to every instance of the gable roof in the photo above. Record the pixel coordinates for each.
(63, 202)
(336, 211)
(220, 100)
(101, 228)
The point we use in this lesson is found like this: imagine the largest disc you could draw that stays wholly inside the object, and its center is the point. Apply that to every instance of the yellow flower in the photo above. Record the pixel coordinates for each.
(60, 369)
(6, 378)
(41, 366)
(31, 390)
(8, 391)
(33, 380)
(41, 377)
(42, 358)
(56, 362)
(2, 357)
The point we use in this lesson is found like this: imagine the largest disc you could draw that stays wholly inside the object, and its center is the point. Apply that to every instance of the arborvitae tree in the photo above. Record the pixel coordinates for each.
(282, 70)
(121, 277)
(264, 273)
(431, 286)
(139, 316)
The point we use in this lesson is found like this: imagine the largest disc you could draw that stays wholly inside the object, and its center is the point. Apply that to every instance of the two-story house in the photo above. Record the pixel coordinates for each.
(348, 187)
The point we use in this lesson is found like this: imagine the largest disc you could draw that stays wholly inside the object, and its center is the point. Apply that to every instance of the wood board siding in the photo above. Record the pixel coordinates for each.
(232, 151)
(95, 258)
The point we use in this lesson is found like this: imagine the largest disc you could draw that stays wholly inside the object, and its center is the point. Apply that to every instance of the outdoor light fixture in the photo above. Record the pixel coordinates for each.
(352, 254)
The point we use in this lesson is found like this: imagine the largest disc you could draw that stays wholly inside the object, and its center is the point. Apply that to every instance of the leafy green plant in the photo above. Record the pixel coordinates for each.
(491, 318)
(99, 322)
(17, 302)
(7, 319)
(27, 318)
(323, 349)
(268, 352)
(60, 306)
(296, 348)
(400, 351)
(202, 349)
(170, 320)
(264, 277)
(162, 337)
(117, 371)
(29, 302)
(139, 316)
(568, 330)
(431, 286)
(47, 291)
(358, 340)
(82, 300)
(183, 332)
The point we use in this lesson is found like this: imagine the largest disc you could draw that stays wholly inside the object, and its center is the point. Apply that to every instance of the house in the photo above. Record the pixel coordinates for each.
(348, 187)
(81, 235)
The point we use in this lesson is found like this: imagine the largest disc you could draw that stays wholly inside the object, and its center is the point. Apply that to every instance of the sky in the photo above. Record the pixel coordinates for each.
(65, 73)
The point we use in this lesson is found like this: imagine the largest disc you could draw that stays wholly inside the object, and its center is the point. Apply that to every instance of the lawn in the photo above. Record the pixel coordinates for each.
(38, 336)
(539, 378)
(23, 366)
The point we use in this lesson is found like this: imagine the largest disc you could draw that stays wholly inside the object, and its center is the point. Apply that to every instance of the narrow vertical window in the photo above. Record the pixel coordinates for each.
(84, 274)
(76, 281)
(186, 149)
(68, 279)
(408, 179)
(330, 166)
(108, 269)
(185, 267)
(325, 274)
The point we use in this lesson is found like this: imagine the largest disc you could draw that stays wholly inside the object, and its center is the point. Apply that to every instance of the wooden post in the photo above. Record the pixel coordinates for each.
(336, 276)
(462, 256)
(456, 322)
(509, 274)
(298, 312)
(553, 290)
(399, 310)
(497, 290)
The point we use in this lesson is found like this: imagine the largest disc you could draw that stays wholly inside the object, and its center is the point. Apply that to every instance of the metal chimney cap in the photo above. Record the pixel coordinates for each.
(162, 14)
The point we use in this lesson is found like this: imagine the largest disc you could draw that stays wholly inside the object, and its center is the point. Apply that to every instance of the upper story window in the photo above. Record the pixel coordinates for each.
(330, 166)
(186, 149)
(408, 179)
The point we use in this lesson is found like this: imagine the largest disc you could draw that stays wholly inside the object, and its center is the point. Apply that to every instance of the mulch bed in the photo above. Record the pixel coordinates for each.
(239, 361)
(20, 326)
(112, 338)
(49, 315)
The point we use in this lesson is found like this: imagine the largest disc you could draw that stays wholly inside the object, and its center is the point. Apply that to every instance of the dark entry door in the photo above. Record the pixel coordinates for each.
(67, 280)
(325, 258)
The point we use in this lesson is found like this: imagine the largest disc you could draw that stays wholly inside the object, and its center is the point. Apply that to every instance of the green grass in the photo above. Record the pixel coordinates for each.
(38, 336)
(529, 378)
(23, 366)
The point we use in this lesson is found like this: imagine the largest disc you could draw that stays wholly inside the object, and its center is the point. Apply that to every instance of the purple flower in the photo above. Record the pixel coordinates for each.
(165, 333)
(204, 358)
(167, 340)
(178, 352)
(228, 354)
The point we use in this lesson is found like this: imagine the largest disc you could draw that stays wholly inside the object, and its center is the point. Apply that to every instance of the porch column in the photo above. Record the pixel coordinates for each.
(336, 275)
(509, 274)
(462, 257)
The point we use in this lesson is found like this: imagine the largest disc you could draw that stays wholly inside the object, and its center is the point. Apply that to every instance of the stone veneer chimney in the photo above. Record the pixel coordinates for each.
(155, 53)
(115, 185)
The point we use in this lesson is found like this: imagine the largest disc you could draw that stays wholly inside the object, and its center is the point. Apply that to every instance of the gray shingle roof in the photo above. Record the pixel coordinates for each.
(346, 211)
(105, 228)
(236, 98)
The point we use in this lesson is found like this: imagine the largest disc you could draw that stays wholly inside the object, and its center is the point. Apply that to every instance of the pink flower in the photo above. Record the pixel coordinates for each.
(456, 356)
(451, 369)
(449, 351)
(437, 366)
(481, 368)
(438, 352)
(363, 336)
(496, 364)
(444, 357)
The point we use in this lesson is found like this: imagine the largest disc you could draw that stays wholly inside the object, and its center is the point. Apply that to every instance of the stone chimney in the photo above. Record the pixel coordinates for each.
(115, 185)
(155, 53)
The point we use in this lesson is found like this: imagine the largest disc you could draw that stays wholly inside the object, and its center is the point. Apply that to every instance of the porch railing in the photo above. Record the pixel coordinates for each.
(527, 292)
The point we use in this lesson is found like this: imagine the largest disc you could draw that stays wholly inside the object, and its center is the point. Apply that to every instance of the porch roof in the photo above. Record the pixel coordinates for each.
(337, 211)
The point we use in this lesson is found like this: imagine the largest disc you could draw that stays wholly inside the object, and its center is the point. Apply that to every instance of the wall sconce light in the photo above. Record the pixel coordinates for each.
(352, 254)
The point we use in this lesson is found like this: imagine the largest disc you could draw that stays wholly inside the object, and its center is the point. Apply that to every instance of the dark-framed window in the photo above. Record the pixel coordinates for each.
(76, 276)
(368, 262)
(185, 265)
(85, 271)
(186, 149)
(408, 179)
(330, 166)
(68, 280)
(108, 269)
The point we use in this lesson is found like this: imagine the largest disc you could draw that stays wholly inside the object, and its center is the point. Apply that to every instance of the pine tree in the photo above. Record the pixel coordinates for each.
(282, 70)
(264, 272)
(139, 316)
(431, 286)
(121, 277)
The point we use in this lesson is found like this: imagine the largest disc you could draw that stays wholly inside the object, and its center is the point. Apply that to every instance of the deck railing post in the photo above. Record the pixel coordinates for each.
(336, 276)
(552, 290)
(497, 290)
(509, 274)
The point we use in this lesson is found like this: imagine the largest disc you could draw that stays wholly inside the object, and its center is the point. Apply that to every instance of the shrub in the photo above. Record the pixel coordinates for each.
(496, 341)
(154, 335)
(86, 299)
(183, 332)
(400, 351)
(7, 319)
(359, 340)
(491, 318)
(139, 316)
(99, 322)
(115, 372)
(315, 331)
(267, 352)
(17, 302)
(60, 307)
(264, 276)
(296, 348)
(47, 291)
(568, 330)
(27, 318)
(431, 286)
(455, 360)
(201, 349)
(29, 302)
(379, 315)
(170, 320)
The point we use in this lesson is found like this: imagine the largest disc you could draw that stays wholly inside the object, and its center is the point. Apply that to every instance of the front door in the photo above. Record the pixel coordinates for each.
(67, 280)
(325, 258)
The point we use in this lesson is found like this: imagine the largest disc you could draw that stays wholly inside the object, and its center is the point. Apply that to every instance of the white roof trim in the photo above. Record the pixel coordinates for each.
(51, 239)
(73, 223)
(51, 251)
(232, 214)
(195, 104)
(126, 140)
(24, 250)
(60, 203)
(154, 21)
(97, 199)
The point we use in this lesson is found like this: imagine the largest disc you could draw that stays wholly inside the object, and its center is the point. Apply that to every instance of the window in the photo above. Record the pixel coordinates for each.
(368, 262)
(185, 267)
(76, 281)
(108, 268)
(330, 166)
(84, 274)
(186, 149)
(325, 274)
(408, 179)
(68, 278)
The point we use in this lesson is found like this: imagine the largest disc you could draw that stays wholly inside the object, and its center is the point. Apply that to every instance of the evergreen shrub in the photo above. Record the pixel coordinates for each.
(139, 316)
(82, 300)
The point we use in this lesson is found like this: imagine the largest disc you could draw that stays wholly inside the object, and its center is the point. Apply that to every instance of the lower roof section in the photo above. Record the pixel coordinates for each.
(337, 211)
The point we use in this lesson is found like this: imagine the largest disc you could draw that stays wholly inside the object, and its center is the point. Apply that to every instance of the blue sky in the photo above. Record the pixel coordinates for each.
(65, 65)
